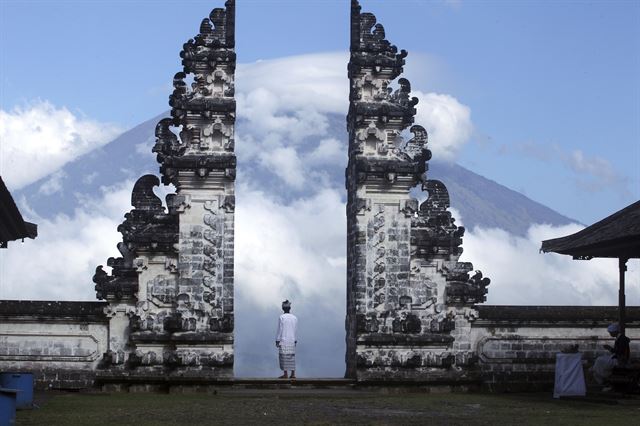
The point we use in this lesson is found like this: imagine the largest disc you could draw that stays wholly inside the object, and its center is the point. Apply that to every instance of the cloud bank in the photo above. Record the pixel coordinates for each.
(40, 138)
(590, 173)
(59, 264)
(447, 121)
(286, 100)
(521, 275)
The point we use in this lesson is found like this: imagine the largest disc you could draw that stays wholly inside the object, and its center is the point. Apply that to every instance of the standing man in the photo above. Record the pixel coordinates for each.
(286, 341)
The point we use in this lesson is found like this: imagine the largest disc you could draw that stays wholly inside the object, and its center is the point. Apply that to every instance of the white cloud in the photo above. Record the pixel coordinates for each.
(59, 264)
(145, 148)
(317, 80)
(289, 100)
(594, 173)
(521, 275)
(39, 139)
(294, 250)
(447, 121)
(596, 166)
(53, 184)
(88, 179)
(270, 116)
(328, 151)
(286, 103)
(591, 173)
(284, 162)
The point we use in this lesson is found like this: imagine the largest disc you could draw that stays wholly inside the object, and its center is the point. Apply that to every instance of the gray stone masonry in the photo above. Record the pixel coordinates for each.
(517, 345)
(171, 293)
(61, 343)
(409, 300)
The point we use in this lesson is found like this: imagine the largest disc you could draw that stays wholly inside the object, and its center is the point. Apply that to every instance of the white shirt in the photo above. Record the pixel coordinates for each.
(287, 327)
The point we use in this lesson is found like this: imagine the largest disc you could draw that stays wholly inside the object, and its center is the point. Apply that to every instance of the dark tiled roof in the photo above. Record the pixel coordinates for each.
(12, 226)
(615, 236)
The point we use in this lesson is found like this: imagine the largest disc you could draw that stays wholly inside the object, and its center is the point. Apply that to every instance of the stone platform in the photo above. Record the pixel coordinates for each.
(110, 382)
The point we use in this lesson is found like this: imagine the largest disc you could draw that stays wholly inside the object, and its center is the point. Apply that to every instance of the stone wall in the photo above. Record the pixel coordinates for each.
(516, 345)
(504, 348)
(62, 343)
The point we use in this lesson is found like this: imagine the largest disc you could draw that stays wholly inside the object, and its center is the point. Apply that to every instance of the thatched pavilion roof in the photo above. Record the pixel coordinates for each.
(616, 236)
(12, 225)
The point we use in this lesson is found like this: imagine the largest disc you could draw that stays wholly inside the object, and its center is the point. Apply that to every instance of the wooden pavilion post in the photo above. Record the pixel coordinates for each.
(622, 265)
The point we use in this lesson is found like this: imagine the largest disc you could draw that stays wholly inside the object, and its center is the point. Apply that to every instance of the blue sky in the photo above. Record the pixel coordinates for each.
(553, 87)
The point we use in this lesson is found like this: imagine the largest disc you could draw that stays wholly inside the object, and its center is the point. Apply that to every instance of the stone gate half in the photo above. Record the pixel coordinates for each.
(408, 297)
(170, 294)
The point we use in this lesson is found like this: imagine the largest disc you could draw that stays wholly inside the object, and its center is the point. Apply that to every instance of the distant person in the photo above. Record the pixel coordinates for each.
(618, 356)
(286, 341)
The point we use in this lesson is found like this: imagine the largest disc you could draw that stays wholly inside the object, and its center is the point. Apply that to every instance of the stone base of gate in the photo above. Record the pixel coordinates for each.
(131, 382)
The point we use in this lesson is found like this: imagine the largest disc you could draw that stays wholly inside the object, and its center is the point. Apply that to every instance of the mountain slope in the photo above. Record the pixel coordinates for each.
(480, 201)
(485, 203)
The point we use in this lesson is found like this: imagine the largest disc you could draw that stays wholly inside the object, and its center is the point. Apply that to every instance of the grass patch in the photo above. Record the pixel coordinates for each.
(312, 407)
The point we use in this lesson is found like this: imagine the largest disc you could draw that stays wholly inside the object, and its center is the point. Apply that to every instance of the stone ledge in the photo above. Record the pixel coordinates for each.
(573, 316)
(164, 383)
(183, 337)
(178, 379)
(416, 377)
(381, 167)
(387, 109)
(381, 339)
(44, 310)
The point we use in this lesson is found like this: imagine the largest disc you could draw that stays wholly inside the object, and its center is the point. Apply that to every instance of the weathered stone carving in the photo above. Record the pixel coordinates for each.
(146, 228)
(172, 289)
(204, 114)
(406, 290)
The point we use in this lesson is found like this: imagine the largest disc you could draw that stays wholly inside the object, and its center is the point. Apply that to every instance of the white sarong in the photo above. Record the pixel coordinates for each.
(603, 367)
(287, 356)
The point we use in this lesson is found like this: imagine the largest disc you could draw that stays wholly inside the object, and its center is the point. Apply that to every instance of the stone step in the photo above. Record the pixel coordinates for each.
(131, 382)
(192, 379)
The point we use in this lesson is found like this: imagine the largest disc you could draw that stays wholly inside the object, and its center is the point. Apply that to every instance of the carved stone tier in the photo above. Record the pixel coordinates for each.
(409, 300)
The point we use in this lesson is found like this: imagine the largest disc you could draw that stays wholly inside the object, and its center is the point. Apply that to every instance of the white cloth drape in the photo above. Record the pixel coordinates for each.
(569, 376)
(287, 328)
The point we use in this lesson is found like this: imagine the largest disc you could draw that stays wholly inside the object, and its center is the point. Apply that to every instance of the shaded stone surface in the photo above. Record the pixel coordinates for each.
(40, 310)
(512, 314)
(170, 295)
(408, 297)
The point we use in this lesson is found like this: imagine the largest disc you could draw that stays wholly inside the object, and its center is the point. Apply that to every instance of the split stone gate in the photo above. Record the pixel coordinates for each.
(412, 307)
(170, 294)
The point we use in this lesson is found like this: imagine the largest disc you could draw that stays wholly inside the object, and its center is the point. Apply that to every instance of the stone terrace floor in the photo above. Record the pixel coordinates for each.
(326, 406)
